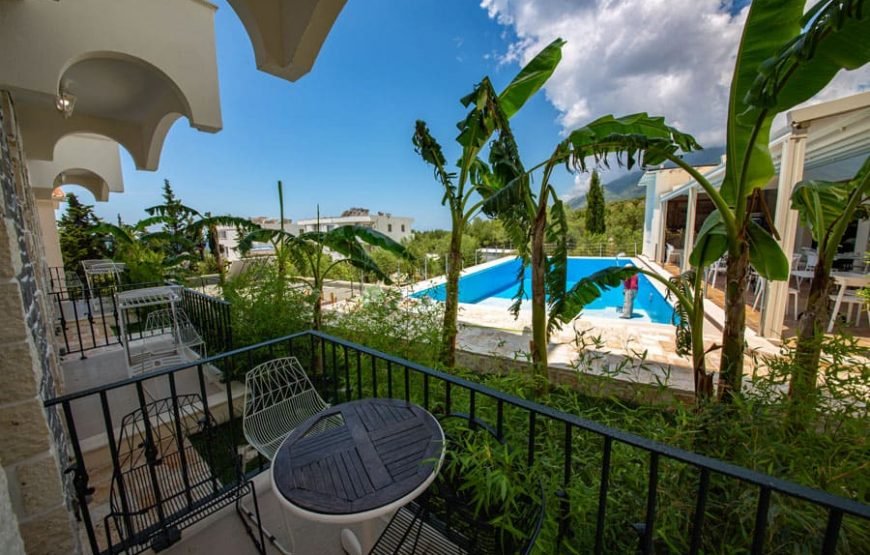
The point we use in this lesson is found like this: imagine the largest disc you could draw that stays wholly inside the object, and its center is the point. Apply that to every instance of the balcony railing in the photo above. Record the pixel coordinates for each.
(88, 317)
(556, 444)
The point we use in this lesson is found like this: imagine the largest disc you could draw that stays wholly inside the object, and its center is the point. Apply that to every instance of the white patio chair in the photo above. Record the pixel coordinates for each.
(852, 300)
(671, 252)
(278, 397)
(761, 291)
(712, 271)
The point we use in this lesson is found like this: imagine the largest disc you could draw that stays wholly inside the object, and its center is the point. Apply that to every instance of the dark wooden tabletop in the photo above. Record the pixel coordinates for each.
(358, 456)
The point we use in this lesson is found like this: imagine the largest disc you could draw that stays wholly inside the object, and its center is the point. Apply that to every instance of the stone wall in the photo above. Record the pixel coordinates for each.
(33, 445)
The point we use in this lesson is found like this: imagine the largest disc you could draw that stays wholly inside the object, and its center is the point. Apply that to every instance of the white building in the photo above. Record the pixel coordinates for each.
(827, 141)
(229, 237)
(396, 228)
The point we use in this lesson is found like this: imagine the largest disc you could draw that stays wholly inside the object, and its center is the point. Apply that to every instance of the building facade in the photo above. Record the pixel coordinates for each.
(397, 228)
(827, 141)
(229, 237)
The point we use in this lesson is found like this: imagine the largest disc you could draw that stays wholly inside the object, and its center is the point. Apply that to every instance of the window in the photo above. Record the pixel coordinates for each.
(389, 228)
(403, 228)
(222, 234)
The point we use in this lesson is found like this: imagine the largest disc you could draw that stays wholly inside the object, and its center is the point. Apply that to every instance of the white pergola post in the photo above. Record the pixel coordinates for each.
(663, 224)
(861, 239)
(689, 235)
(786, 221)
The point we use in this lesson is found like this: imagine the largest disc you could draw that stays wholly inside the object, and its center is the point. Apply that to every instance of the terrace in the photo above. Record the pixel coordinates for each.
(567, 452)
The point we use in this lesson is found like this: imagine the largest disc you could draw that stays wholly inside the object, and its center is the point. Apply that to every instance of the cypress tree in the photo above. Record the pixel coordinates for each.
(76, 233)
(595, 206)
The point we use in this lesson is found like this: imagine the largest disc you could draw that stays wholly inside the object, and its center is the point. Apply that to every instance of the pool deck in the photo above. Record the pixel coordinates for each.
(597, 343)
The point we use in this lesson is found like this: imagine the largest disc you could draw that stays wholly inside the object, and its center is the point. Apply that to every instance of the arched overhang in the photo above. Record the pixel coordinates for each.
(287, 36)
(89, 161)
(132, 70)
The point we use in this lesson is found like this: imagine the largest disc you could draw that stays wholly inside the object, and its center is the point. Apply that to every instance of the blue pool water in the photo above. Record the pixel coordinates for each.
(498, 285)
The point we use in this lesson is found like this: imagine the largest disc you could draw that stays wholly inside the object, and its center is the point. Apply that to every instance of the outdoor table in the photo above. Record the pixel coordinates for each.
(846, 280)
(358, 461)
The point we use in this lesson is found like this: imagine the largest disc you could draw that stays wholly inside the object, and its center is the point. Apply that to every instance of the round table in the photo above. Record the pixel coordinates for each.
(358, 461)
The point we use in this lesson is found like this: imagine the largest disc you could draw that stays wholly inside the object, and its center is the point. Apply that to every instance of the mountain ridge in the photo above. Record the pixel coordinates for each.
(625, 186)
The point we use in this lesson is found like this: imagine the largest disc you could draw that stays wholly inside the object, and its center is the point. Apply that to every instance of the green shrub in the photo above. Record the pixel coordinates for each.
(263, 306)
(386, 321)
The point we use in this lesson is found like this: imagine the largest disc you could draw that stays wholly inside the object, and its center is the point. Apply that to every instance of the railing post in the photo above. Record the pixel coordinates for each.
(602, 495)
(80, 478)
(652, 493)
(564, 502)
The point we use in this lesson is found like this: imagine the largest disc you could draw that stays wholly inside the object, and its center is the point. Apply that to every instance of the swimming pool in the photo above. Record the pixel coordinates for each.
(497, 285)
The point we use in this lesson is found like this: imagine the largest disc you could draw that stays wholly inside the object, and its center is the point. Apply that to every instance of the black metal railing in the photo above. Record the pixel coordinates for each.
(211, 317)
(57, 278)
(553, 443)
(88, 317)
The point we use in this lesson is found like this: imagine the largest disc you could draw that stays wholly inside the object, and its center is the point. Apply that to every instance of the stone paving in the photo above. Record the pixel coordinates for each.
(634, 351)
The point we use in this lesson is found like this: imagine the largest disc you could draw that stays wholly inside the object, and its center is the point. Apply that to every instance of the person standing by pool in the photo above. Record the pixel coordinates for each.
(629, 292)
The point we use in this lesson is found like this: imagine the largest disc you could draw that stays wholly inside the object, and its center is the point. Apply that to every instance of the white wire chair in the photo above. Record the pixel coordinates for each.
(278, 397)
(169, 321)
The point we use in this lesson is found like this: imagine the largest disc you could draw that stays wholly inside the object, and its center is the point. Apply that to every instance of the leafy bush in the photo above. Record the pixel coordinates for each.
(754, 433)
(386, 321)
(265, 305)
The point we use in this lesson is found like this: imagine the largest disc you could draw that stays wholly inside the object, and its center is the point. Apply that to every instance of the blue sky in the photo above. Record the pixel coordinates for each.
(341, 135)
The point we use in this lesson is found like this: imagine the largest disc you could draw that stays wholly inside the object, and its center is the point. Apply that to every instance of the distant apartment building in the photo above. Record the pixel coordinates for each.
(396, 228)
(229, 237)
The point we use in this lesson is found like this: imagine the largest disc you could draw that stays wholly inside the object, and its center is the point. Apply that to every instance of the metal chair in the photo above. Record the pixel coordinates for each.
(761, 290)
(712, 272)
(852, 300)
(443, 521)
(278, 397)
(162, 483)
(173, 322)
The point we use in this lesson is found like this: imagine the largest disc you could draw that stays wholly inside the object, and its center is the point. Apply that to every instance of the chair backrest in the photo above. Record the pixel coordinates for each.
(161, 476)
(812, 260)
(796, 260)
(669, 248)
(274, 382)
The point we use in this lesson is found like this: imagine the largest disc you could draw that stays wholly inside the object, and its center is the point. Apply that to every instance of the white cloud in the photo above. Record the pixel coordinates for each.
(580, 187)
(666, 57)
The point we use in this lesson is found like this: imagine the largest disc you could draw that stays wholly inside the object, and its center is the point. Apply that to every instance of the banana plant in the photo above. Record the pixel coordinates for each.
(309, 252)
(825, 208)
(474, 132)
(688, 291)
(533, 218)
(140, 251)
(785, 57)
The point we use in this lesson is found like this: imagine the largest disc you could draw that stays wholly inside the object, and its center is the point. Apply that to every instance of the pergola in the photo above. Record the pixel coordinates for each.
(826, 141)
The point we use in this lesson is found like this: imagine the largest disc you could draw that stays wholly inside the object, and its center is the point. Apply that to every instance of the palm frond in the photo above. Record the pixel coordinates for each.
(263, 236)
(353, 234)
(637, 138)
(680, 319)
(241, 224)
(180, 209)
(428, 148)
(120, 234)
(589, 288)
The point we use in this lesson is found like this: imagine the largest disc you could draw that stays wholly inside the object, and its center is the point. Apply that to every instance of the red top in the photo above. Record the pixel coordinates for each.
(630, 283)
